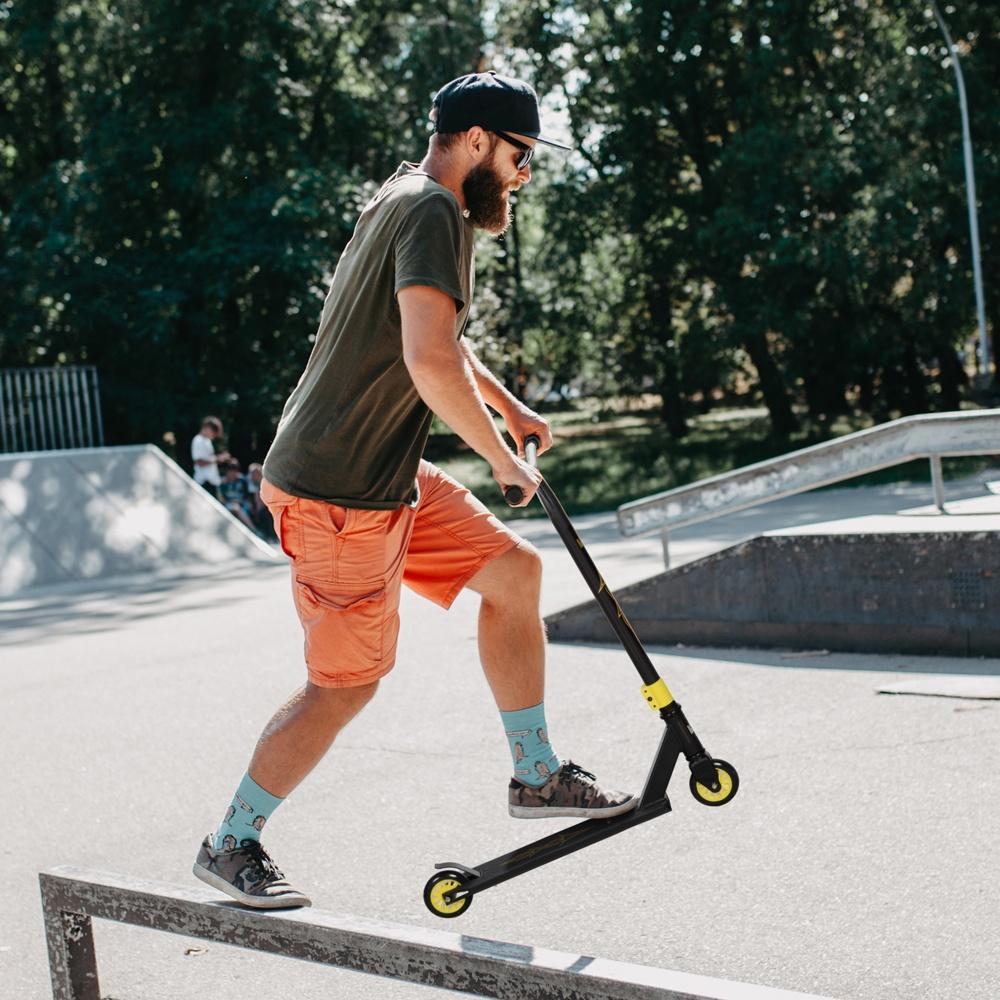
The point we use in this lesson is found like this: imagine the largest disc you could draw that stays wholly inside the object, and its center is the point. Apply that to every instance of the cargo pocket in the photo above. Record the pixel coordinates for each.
(279, 516)
(344, 633)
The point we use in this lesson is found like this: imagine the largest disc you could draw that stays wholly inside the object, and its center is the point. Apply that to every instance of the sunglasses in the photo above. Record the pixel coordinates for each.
(528, 151)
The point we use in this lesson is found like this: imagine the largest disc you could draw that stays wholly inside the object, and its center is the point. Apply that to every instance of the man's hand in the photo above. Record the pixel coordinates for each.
(522, 422)
(517, 472)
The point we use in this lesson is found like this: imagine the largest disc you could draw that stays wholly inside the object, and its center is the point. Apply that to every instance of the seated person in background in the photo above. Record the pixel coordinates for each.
(259, 513)
(234, 494)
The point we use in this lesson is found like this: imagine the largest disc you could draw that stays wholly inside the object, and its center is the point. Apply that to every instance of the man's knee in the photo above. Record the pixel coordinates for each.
(517, 574)
(342, 702)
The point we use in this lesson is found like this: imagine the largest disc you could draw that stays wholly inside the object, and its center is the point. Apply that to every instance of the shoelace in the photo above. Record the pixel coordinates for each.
(260, 859)
(572, 770)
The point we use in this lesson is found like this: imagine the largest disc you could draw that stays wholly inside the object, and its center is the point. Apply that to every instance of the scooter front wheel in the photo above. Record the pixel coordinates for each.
(729, 782)
(434, 892)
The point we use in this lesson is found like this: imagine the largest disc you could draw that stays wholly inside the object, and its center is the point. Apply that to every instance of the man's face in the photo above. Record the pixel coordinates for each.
(487, 187)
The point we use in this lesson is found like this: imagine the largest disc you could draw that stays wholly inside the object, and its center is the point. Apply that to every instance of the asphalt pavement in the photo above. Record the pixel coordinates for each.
(857, 861)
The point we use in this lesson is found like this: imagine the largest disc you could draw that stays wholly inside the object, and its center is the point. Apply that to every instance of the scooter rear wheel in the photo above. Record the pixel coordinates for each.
(440, 883)
(729, 782)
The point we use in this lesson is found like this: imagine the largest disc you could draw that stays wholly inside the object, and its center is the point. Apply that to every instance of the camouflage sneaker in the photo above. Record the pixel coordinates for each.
(247, 874)
(571, 791)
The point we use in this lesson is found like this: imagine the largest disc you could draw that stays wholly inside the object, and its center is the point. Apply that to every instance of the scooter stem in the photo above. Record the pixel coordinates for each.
(602, 594)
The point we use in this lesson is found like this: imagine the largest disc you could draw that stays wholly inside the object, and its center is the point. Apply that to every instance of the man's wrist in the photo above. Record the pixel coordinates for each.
(506, 404)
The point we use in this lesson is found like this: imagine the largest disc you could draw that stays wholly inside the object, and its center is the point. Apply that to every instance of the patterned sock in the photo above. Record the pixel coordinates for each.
(246, 817)
(534, 759)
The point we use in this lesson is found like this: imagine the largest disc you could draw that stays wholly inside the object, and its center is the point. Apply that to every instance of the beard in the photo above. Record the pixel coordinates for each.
(486, 199)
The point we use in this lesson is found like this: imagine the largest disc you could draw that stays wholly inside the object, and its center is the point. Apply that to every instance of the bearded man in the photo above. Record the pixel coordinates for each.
(359, 512)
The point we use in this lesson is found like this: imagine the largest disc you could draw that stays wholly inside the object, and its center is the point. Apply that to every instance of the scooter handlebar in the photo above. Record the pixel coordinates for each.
(514, 494)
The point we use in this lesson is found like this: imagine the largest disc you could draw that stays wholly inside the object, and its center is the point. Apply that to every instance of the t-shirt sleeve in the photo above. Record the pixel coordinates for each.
(428, 247)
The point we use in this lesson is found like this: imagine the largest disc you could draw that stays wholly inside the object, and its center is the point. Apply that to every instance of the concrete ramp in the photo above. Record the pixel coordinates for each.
(882, 584)
(93, 513)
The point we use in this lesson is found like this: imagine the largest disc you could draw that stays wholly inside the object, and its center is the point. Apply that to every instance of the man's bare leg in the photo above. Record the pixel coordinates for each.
(512, 648)
(511, 633)
(300, 733)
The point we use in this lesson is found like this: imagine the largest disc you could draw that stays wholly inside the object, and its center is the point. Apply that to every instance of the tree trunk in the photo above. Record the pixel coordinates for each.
(772, 385)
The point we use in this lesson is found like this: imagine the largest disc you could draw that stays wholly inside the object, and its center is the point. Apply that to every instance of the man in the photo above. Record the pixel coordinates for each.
(358, 512)
(204, 458)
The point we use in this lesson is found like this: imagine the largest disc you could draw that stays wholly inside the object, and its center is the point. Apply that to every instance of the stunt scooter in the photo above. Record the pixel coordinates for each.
(713, 782)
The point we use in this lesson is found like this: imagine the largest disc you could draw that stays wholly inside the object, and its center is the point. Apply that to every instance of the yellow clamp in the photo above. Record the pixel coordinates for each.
(657, 695)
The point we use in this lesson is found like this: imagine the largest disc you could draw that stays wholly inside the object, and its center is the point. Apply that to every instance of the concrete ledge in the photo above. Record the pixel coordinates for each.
(72, 896)
(903, 592)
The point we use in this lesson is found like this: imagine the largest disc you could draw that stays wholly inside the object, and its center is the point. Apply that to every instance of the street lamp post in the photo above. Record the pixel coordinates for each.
(970, 190)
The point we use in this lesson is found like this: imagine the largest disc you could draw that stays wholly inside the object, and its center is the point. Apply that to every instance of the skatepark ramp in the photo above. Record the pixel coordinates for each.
(870, 585)
(71, 897)
(87, 514)
(924, 580)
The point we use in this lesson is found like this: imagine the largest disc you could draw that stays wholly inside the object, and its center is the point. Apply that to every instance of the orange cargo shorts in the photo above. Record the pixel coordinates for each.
(348, 565)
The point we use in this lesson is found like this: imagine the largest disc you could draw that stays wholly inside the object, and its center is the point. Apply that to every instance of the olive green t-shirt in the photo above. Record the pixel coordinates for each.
(354, 428)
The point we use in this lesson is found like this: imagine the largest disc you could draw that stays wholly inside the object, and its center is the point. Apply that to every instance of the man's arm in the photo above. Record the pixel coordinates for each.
(521, 420)
(443, 376)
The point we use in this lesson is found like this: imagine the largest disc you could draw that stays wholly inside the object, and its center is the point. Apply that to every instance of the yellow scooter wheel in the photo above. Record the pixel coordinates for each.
(729, 782)
(434, 892)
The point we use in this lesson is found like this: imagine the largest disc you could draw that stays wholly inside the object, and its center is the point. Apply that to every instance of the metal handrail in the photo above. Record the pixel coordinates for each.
(928, 435)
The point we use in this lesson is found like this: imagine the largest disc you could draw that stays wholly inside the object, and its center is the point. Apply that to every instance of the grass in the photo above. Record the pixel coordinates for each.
(603, 458)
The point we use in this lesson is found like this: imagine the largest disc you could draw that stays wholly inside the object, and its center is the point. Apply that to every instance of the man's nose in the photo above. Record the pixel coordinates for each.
(524, 174)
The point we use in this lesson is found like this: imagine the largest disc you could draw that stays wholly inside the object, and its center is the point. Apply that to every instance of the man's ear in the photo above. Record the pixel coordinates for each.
(477, 143)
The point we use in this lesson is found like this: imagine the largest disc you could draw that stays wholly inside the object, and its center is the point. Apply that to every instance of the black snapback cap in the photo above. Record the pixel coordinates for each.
(493, 102)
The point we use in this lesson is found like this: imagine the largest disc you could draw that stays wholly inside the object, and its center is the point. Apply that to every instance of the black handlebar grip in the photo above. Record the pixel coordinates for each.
(514, 494)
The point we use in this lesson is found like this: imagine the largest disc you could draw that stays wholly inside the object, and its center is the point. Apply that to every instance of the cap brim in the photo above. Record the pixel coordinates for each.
(551, 142)
(541, 139)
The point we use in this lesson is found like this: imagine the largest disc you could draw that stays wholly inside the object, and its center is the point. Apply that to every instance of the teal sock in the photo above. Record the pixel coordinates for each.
(246, 817)
(528, 736)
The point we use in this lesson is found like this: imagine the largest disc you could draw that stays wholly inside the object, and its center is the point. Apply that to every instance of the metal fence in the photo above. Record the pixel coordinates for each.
(43, 409)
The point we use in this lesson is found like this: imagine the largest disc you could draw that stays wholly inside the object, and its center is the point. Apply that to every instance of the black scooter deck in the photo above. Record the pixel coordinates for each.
(554, 846)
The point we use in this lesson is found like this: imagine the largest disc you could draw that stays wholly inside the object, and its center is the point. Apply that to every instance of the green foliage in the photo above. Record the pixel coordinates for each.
(766, 203)
(783, 182)
(179, 180)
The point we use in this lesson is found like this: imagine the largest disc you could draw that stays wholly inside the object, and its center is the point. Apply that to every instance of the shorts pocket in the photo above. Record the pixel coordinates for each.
(281, 529)
(308, 531)
(344, 634)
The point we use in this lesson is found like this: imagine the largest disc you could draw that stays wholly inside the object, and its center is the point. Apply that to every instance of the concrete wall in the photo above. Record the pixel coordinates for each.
(87, 514)
(922, 592)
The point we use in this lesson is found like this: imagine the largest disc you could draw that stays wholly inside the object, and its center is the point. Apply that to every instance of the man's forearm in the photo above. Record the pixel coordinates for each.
(492, 390)
(450, 386)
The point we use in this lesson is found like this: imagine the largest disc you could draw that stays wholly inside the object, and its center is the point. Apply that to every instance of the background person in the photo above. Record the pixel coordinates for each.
(258, 509)
(204, 458)
(234, 494)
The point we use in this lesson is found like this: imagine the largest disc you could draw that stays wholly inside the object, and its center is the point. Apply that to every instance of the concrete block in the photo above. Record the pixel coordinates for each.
(923, 592)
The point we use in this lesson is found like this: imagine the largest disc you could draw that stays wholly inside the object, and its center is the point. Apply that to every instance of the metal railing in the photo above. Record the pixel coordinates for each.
(931, 436)
(45, 409)
(72, 897)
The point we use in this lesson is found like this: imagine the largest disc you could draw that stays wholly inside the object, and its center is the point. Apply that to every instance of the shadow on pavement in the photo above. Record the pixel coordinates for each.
(82, 610)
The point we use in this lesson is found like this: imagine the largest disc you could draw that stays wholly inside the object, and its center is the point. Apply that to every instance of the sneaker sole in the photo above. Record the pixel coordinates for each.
(292, 899)
(579, 812)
